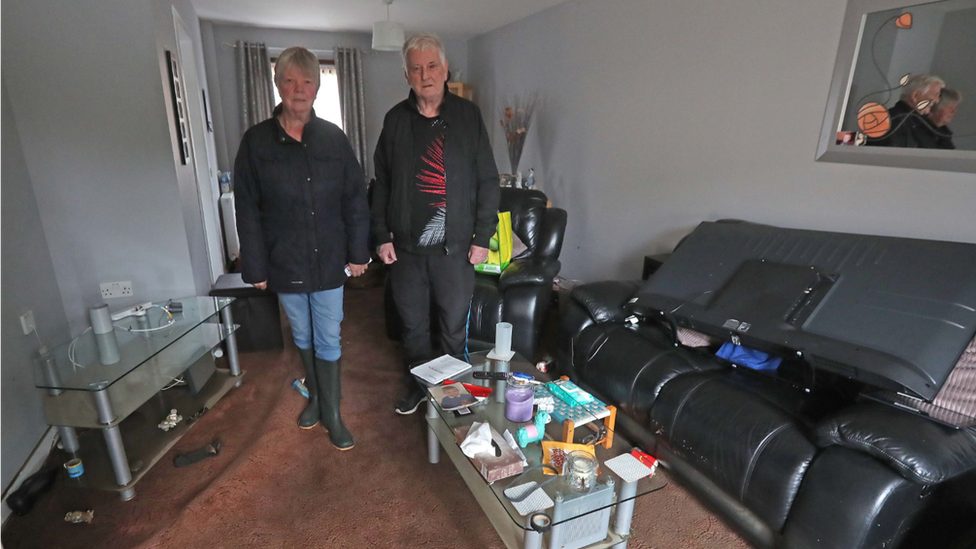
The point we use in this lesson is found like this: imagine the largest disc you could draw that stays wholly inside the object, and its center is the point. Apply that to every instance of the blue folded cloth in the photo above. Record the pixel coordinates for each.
(750, 358)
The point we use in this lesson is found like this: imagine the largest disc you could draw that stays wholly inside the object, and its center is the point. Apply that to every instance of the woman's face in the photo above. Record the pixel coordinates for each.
(297, 91)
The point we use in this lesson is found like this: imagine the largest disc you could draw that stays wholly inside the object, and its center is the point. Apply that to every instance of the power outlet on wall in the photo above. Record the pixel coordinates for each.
(112, 290)
(27, 322)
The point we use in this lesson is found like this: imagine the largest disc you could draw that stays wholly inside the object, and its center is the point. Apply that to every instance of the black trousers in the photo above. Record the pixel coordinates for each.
(413, 278)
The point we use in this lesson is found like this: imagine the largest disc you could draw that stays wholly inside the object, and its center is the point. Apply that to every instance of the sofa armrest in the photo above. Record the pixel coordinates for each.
(919, 449)
(605, 300)
(529, 271)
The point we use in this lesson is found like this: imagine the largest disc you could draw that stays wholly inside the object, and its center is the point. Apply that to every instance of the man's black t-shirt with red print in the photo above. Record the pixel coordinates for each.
(429, 197)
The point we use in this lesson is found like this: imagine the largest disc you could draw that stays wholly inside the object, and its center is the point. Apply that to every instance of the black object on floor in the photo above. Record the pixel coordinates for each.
(22, 500)
(195, 456)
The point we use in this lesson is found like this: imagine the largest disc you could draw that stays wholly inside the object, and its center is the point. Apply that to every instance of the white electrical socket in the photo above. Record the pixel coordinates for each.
(112, 290)
(27, 322)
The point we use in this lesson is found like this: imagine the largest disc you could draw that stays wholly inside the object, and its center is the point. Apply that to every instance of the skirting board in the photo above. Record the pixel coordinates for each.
(33, 464)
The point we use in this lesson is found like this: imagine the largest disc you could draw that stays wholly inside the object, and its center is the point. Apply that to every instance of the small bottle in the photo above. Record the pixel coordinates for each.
(225, 186)
(530, 179)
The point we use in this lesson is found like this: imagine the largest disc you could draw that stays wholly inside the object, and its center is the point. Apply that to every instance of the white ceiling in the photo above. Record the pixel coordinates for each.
(447, 18)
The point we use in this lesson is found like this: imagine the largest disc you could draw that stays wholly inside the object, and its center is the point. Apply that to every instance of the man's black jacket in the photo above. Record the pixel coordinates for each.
(301, 207)
(472, 178)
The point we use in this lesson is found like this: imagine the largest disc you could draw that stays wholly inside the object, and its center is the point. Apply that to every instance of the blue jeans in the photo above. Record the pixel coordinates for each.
(315, 316)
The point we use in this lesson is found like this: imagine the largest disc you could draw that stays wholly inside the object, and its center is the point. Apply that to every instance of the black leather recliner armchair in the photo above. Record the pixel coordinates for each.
(522, 294)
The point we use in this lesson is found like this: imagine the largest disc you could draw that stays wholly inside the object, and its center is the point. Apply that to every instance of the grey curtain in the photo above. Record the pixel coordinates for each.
(255, 83)
(349, 69)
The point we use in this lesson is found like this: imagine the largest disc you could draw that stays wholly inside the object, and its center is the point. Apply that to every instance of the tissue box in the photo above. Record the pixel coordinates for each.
(493, 467)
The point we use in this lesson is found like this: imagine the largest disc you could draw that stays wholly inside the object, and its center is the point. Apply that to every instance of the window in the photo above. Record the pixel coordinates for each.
(327, 101)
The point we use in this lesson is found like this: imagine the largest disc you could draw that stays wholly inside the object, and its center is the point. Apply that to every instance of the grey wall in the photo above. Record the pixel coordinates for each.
(654, 116)
(28, 282)
(186, 178)
(85, 86)
(384, 84)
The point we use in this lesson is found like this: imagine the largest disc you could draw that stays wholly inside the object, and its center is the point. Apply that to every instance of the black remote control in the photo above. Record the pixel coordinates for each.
(490, 375)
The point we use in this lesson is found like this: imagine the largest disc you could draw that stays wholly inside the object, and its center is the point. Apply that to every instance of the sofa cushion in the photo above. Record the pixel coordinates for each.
(919, 449)
(486, 308)
(630, 365)
(752, 449)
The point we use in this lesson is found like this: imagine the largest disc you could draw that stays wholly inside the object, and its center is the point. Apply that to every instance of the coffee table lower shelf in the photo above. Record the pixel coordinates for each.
(512, 535)
(144, 442)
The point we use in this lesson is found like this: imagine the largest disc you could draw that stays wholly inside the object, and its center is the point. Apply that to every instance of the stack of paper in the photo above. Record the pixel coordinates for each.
(439, 369)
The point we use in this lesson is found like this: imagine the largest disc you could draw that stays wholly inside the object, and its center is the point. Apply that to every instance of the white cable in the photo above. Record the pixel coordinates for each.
(175, 383)
(71, 349)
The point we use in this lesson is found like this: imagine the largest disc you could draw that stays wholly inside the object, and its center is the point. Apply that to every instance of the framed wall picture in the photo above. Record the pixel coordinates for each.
(179, 107)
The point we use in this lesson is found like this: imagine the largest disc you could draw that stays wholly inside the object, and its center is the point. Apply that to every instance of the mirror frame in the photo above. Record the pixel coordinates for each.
(827, 148)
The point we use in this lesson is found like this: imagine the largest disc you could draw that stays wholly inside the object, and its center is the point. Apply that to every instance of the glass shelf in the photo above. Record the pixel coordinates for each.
(92, 362)
(77, 408)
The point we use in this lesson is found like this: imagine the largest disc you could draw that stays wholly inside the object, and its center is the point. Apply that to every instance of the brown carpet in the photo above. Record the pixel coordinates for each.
(275, 485)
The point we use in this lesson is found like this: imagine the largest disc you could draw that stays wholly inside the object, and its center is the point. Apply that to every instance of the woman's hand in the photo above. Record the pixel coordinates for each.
(386, 253)
(262, 285)
(356, 270)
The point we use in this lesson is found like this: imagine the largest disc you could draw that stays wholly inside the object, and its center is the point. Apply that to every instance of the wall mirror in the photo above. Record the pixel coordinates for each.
(875, 114)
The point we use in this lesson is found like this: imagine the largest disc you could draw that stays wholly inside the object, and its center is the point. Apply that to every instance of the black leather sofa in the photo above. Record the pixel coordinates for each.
(788, 460)
(522, 294)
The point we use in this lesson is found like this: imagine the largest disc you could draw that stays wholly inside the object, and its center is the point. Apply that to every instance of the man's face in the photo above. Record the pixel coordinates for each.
(930, 94)
(297, 90)
(942, 115)
(426, 74)
(451, 392)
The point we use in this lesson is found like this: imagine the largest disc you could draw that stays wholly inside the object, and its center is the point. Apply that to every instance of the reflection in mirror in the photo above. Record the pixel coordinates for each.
(914, 79)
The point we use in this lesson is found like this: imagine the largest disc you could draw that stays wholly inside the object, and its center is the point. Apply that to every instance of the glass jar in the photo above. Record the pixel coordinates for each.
(518, 399)
(579, 470)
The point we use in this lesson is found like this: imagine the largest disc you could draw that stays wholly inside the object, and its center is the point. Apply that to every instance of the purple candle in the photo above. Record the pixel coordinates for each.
(518, 402)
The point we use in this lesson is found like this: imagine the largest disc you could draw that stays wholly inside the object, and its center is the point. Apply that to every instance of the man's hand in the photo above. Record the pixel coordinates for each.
(477, 255)
(356, 270)
(386, 253)
(262, 285)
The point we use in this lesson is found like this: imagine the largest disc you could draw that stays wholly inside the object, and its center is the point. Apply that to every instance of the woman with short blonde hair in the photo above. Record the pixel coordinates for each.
(303, 224)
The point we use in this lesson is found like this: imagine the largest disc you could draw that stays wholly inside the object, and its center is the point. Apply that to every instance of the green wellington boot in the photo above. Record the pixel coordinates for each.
(310, 415)
(328, 373)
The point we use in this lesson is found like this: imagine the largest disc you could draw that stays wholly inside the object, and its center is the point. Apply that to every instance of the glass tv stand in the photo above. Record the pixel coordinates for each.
(122, 385)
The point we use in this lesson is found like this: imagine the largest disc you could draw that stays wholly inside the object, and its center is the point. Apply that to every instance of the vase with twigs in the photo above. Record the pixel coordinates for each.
(515, 119)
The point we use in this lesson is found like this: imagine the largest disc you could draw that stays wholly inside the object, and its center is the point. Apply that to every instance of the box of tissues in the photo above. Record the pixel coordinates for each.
(488, 450)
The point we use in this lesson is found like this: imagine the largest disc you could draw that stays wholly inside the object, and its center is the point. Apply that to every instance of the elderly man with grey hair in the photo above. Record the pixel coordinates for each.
(939, 136)
(918, 96)
(435, 206)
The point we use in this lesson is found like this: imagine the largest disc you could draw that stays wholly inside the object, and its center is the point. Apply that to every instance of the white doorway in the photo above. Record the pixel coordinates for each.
(202, 146)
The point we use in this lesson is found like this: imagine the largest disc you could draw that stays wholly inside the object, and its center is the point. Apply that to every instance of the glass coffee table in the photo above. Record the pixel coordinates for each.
(121, 384)
(564, 516)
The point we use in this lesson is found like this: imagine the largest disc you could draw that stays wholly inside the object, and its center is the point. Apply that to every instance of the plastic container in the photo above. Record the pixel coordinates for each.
(518, 400)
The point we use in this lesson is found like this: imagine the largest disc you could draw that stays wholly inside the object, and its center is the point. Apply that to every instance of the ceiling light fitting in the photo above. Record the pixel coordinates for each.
(387, 35)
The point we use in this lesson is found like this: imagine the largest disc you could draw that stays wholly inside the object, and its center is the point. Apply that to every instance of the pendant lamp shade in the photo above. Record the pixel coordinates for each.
(387, 36)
